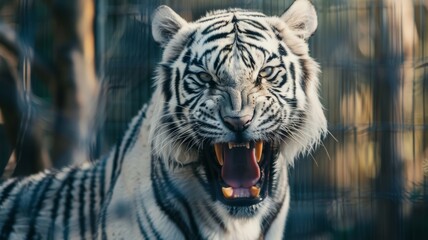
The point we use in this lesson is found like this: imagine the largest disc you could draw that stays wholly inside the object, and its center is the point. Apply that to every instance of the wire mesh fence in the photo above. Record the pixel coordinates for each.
(369, 178)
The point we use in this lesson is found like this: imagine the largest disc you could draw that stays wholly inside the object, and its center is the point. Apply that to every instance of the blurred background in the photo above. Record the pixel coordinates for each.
(369, 179)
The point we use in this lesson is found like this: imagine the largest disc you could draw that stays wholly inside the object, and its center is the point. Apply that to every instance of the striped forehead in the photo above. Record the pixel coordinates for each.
(233, 41)
(224, 27)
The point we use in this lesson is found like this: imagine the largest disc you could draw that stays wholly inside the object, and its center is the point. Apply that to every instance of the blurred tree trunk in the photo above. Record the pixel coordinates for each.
(71, 78)
(394, 44)
(76, 87)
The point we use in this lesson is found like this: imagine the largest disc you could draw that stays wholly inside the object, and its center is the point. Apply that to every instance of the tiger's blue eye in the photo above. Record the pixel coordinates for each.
(266, 72)
(206, 77)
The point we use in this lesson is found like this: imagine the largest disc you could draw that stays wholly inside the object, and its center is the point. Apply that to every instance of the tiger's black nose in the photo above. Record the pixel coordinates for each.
(238, 123)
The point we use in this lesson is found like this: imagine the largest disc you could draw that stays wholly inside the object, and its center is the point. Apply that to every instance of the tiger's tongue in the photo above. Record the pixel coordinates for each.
(240, 168)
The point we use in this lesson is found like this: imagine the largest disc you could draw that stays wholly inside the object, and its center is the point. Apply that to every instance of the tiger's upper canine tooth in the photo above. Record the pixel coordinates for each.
(219, 153)
(247, 145)
(259, 149)
(230, 145)
(255, 191)
(227, 192)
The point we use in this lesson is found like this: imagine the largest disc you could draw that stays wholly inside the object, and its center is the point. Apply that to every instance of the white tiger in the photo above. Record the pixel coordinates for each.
(235, 101)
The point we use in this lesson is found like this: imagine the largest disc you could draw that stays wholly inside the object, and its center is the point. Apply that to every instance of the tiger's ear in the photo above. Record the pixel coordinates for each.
(165, 24)
(301, 17)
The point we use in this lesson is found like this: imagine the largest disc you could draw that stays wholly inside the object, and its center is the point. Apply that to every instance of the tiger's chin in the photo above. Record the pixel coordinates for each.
(240, 174)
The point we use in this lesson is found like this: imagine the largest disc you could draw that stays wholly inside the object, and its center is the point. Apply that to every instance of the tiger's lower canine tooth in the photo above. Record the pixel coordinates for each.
(219, 153)
(227, 192)
(255, 191)
(259, 149)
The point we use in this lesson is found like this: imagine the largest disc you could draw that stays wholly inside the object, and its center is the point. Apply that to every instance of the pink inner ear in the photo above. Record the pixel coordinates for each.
(240, 168)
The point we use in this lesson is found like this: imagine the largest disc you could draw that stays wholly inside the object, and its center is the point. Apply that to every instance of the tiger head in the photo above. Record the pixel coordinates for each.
(237, 92)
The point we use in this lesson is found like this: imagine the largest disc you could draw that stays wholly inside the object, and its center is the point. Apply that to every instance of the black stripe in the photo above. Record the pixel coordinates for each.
(11, 215)
(254, 24)
(248, 36)
(68, 205)
(283, 80)
(282, 51)
(92, 199)
(56, 201)
(271, 57)
(187, 56)
(162, 201)
(260, 48)
(38, 205)
(253, 34)
(101, 179)
(82, 203)
(234, 21)
(272, 91)
(179, 196)
(267, 108)
(278, 94)
(115, 171)
(134, 134)
(292, 102)
(140, 226)
(191, 39)
(218, 63)
(151, 225)
(179, 112)
(272, 77)
(215, 26)
(177, 87)
(216, 37)
(166, 82)
(116, 160)
(162, 185)
(243, 49)
(102, 182)
(277, 34)
(195, 101)
(293, 78)
(226, 48)
(8, 189)
(271, 119)
(292, 71)
(191, 90)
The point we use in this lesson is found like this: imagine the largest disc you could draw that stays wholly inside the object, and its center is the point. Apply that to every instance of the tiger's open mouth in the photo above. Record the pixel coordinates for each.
(241, 172)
